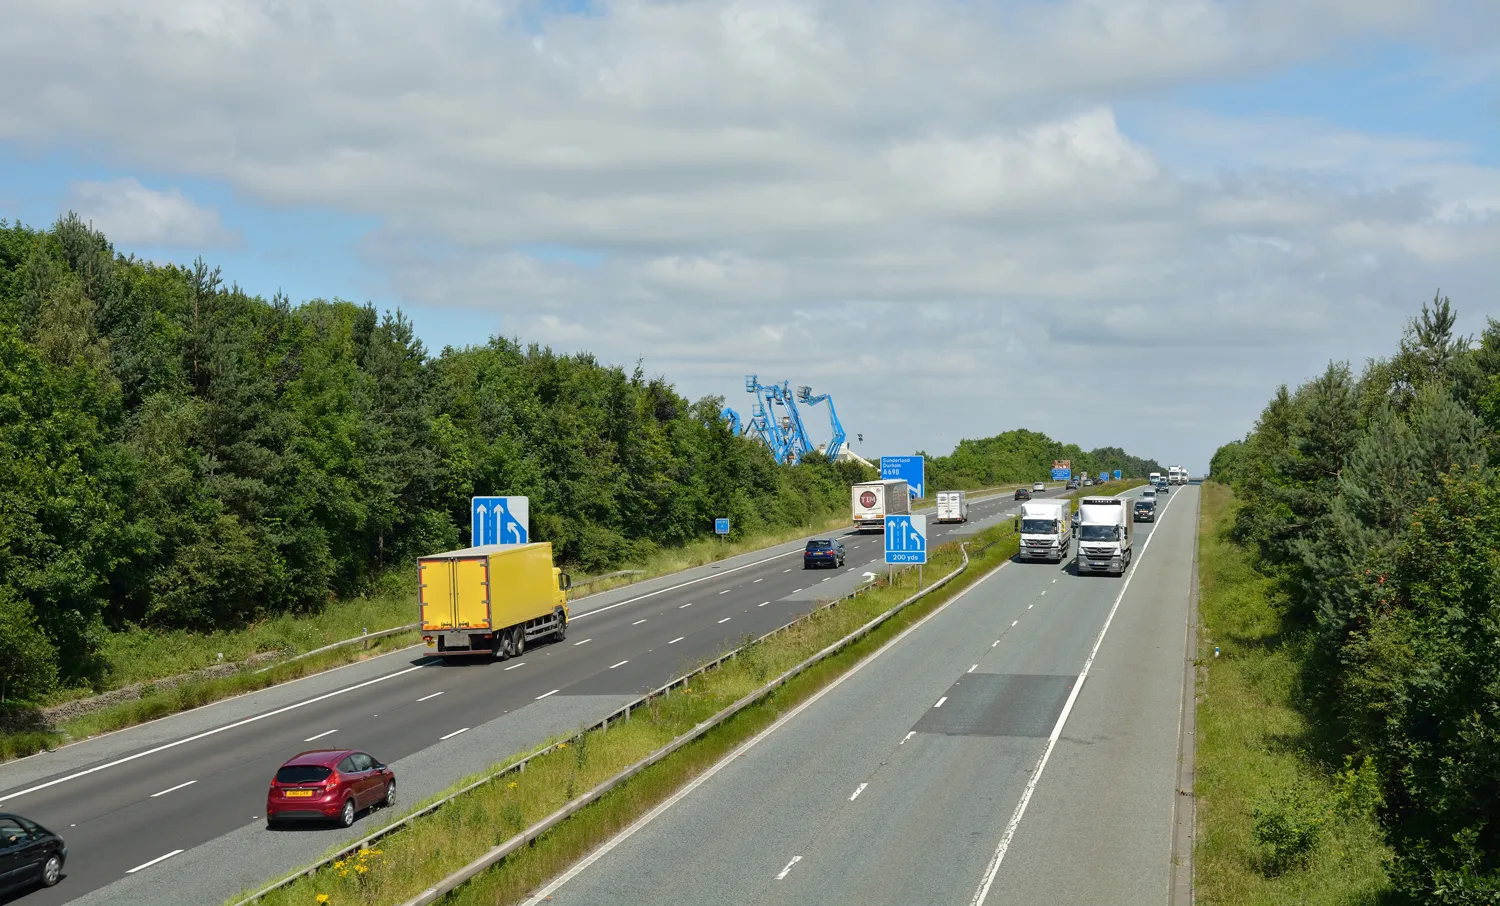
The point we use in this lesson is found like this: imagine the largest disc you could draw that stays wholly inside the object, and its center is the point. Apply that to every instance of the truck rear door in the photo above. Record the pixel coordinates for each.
(455, 593)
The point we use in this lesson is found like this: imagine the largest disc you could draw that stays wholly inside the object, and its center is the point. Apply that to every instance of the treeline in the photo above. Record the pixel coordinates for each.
(1021, 456)
(1372, 500)
(175, 452)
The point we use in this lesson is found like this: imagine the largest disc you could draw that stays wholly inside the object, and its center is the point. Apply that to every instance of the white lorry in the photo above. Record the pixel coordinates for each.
(952, 506)
(1045, 530)
(872, 501)
(1105, 535)
(1174, 475)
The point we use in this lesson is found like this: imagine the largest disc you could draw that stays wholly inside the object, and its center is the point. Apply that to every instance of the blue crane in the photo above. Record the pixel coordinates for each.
(733, 417)
(763, 418)
(837, 441)
(798, 443)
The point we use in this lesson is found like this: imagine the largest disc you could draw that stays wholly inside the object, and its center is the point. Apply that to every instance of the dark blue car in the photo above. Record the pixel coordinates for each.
(823, 552)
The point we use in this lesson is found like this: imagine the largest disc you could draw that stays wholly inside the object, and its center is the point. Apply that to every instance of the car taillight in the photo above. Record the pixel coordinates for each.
(332, 779)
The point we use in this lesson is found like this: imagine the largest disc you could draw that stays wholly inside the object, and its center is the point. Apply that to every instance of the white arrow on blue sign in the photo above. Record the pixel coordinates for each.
(911, 468)
(906, 540)
(500, 520)
(721, 526)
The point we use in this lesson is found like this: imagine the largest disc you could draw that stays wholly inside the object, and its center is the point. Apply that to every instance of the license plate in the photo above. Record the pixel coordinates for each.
(455, 640)
(299, 794)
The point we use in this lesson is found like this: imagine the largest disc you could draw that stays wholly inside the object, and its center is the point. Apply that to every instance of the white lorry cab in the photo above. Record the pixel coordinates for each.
(872, 501)
(952, 506)
(1105, 535)
(1046, 530)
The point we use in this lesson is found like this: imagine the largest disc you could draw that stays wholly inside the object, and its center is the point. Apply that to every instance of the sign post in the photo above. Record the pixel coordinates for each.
(911, 468)
(502, 521)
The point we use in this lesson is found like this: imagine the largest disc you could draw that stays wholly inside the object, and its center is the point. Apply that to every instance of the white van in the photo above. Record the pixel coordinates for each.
(952, 506)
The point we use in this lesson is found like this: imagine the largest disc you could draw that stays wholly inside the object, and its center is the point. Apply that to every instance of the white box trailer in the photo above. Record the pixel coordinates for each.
(952, 506)
(872, 501)
(1045, 530)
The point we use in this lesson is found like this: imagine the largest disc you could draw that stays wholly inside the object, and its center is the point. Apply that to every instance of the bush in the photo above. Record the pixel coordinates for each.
(1287, 828)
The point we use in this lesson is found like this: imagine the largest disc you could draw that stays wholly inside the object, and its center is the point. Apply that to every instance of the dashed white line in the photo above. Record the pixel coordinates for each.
(908, 736)
(973, 668)
(453, 734)
(763, 604)
(156, 860)
(726, 591)
(1044, 591)
(688, 604)
(795, 590)
(676, 640)
(1013, 623)
(422, 699)
(173, 789)
(940, 702)
(621, 664)
(637, 622)
(786, 570)
(787, 870)
(861, 789)
(582, 642)
(725, 620)
(994, 643)
(545, 694)
(321, 735)
(761, 579)
(514, 666)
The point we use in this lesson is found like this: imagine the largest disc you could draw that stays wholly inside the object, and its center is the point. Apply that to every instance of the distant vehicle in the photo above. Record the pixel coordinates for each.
(1023, 494)
(1046, 530)
(1145, 509)
(1155, 478)
(823, 552)
(1088, 482)
(1039, 486)
(30, 855)
(1175, 475)
(1073, 484)
(952, 506)
(1105, 536)
(328, 785)
(872, 501)
(491, 600)
(1149, 494)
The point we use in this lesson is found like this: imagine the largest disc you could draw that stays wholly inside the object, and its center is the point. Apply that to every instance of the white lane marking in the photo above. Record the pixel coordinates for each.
(688, 604)
(584, 642)
(621, 664)
(973, 668)
(858, 791)
(514, 666)
(908, 736)
(795, 590)
(830, 577)
(652, 594)
(1044, 591)
(204, 735)
(541, 895)
(761, 579)
(153, 861)
(994, 643)
(422, 699)
(993, 868)
(940, 702)
(173, 789)
(676, 640)
(545, 694)
(787, 870)
(637, 622)
(725, 620)
(321, 735)
(763, 604)
(726, 591)
(1029, 606)
(453, 734)
(1054, 581)
(1013, 623)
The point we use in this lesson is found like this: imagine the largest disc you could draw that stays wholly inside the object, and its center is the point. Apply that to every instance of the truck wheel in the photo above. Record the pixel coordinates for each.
(519, 644)
(562, 625)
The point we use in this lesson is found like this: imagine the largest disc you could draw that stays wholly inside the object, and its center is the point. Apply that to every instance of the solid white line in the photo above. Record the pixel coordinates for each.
(785, 871)
(621, 664)
(153, 861)
(652, 594)
(514, 666)
(584, 642)
(321, 735)
(422, 699)
(676, 640)
(908, 736)
(453, 734)
(725, 620)
(204, 735)
(171, 789)
(541, 895)
(858, 791)
(637, 622)
(993, 868)
(940, 702)
(688, 604)
(544, 695)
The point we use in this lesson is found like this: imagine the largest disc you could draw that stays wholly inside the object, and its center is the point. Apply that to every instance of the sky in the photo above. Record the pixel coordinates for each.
(1120, 222)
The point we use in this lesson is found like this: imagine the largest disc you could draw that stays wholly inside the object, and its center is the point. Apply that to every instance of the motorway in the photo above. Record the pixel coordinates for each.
(173, 811)
(1010, 750)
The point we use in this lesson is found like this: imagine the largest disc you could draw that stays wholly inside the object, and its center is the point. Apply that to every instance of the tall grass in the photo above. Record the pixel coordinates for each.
(455, 834)
(1276, 826)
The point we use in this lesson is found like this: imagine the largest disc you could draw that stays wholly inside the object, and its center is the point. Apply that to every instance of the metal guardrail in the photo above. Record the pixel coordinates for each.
(359, 638)
(622, 713)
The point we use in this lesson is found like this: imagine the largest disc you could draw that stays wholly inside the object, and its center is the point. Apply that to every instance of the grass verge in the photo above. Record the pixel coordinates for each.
(437, 844)
(1275, 825)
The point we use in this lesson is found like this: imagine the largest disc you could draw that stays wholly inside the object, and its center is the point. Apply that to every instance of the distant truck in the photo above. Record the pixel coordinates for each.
(872, 501)
(1046, 530)
(491, 600)
(1174, 475)
(1155, 478)
(1105, 536)
(952, 506)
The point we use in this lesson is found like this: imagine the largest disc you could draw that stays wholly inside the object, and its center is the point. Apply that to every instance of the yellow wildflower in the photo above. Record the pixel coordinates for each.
(361, 869)
(512, 786)
(322, 898)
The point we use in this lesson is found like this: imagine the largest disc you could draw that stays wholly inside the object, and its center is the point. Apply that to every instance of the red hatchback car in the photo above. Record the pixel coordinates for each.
(330, 785)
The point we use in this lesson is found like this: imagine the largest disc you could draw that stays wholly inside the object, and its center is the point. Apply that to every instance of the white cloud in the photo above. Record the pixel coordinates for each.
(822, 191)
(131, 214)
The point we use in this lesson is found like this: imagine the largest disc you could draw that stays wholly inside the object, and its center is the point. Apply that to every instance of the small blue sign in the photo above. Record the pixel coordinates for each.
(1117, 474)
(1062, 474)
(911, 468)
(721, 526)
(1104, 476)
(906, 540)
(500, 520)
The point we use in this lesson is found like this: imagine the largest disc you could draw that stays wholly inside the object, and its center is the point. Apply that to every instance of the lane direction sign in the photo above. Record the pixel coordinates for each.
(500, 520)
(906, 540)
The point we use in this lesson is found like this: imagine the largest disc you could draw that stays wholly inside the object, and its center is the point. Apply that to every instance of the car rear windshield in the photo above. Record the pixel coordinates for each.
(820, 545)
(302, 773)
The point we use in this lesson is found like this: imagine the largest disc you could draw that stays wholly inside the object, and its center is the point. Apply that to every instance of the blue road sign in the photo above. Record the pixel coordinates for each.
(721, 526)
(906, 540)
(1117, 474)
(1104, 476)
(911, 468)
(1062, 474)
(500, 520)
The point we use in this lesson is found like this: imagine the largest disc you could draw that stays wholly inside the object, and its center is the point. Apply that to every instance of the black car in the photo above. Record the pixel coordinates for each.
(823, 552)
(29, 854)
(1023, 493)
(1072, 484)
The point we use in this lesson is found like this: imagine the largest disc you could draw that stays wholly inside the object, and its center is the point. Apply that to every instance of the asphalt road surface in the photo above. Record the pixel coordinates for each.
(968, 763)
(173, 811)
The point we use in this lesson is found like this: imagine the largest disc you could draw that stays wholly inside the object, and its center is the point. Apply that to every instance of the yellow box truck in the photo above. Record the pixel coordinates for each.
(491, 600)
